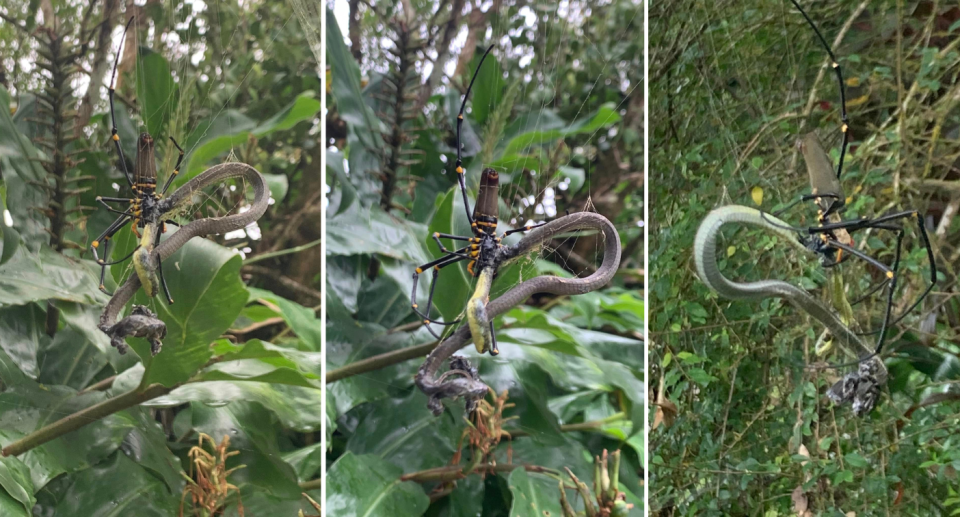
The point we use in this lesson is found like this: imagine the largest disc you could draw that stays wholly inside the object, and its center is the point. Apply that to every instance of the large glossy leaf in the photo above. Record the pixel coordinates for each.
(373, 231)
(117, 486)
(534, 495)
(204, 280)
(15, 480)
(349, 341)
(603, 117)
(406, 434)
(306, 461)
(345, 84)
(156, 91)
(69, 359)
(26, 408)
(147, 445)
(254, 433)
(256, 360)
(302, 320)
(297, 408)
(21, 175)
(47, 275)
(220, 138)
(370, 487)
(346, 190)
(22, 330)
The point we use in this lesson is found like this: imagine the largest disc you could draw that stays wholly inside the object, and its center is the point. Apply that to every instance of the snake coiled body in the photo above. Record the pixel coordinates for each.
(705, 257)
(468, 385)
(198, 228)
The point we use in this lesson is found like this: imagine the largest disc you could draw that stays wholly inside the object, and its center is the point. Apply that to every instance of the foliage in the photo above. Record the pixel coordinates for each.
(230, 83)
(741, 426)
(563, 127)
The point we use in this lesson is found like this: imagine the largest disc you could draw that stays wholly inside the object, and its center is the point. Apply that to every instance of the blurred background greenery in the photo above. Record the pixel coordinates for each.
(242, 357)
(739, 426)
(558, 109)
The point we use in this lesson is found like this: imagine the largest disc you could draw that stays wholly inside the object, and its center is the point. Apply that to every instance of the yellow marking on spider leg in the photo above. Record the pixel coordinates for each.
(477, 312)
(116, 138)
(415, 306)
(419, 271)
(890, 274)
(95, 244)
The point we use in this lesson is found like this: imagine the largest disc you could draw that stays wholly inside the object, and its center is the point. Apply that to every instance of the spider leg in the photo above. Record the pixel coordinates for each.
(436, 265)
(459, 165)
(844, 121)
(115, 227)
(163, 281)
(524, 229)
(103, 201)
(113, 115)
(437, 236)
(880, 222)
(176, 168)
(493, 341)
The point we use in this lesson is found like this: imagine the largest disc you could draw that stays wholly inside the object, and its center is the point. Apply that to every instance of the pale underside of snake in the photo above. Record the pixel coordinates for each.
(861, 388)
(141, 322)
(462, 379)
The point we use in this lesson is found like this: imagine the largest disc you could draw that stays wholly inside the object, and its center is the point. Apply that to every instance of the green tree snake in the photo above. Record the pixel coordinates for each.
(860, 388)
(462, 379)
(141, 322)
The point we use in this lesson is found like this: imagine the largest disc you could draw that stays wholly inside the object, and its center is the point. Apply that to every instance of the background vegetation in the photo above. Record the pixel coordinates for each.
(558, 108)
(241, 360)
(740, 427)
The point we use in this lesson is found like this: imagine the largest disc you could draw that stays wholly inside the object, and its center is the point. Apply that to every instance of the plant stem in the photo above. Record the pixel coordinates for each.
(84, 417)
(582, 426)
(380, 361)
(280, 253)
(313, 484)
(450, 473)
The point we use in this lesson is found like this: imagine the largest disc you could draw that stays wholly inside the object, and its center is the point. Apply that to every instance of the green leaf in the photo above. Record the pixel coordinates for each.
(406, 434)
(603, 117)
(204, 281)
(157, 94)
(306, 461)
(22, 177)
(254, 433)
(22, 330)
(302, 320)
(147, 445)
(28, 407)
(117, 486)
(534, 495)
(15, 479)
(370, 487)
(295, 406)
(48, 275)
(855, 460)
(220, 137)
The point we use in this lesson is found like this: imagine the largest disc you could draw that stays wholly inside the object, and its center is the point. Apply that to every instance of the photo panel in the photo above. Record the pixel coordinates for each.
(803, 294)
(485, 258)
(162, 194)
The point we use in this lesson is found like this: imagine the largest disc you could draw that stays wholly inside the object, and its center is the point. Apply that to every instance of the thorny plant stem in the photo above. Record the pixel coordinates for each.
(87, 416)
